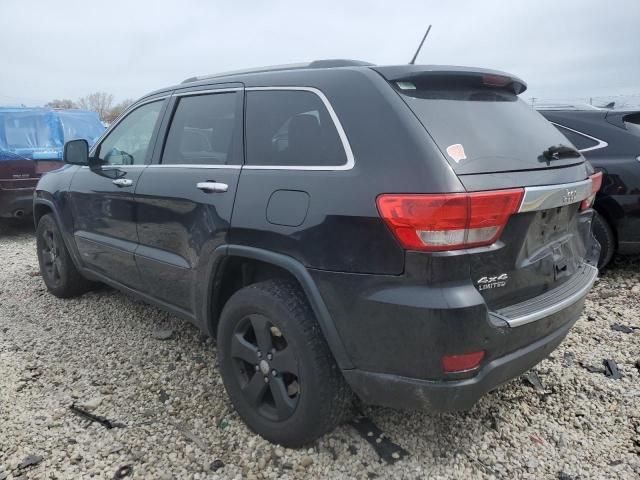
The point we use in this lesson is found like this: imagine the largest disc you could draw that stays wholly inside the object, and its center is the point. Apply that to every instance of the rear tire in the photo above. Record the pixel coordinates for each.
(269, 327)
(56, 267)
(606, 238)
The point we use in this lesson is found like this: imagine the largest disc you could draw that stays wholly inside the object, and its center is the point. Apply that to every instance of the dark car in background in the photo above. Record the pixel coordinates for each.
(31, 143)
(610, 140)
(408, 234)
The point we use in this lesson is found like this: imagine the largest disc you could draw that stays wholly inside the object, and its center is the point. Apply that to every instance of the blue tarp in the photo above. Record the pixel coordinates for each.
(40, 133)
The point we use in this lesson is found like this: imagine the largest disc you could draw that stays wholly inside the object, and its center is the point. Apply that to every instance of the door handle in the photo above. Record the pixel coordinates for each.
(212, 187)
(123, 182)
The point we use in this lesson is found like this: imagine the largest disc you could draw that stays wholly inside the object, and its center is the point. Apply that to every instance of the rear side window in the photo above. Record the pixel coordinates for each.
(578, 140)
(202, 131)
(291, 128)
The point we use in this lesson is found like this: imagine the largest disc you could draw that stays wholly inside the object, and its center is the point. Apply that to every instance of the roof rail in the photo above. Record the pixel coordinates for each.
(333, 63)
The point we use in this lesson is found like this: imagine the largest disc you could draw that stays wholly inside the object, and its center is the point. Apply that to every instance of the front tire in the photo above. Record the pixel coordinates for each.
(606, 238)
(56, 267)
(277, 367)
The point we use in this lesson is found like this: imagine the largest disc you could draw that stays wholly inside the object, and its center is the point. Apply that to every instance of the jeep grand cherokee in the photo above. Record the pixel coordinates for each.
(411, 235)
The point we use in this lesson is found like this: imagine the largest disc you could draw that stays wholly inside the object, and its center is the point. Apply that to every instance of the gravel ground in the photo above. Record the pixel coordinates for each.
(102, 351)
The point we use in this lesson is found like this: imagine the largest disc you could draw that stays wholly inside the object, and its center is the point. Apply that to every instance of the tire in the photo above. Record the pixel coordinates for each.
(307, 395)
(606, 238)
(56, 267)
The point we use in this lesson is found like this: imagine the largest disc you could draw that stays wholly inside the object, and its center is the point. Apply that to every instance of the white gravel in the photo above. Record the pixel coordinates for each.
(115, 356)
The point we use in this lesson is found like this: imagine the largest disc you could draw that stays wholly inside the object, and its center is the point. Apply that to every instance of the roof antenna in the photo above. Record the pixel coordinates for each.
(413, 60)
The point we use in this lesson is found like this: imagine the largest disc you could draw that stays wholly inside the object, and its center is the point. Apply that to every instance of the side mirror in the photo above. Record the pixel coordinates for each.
(76, 152)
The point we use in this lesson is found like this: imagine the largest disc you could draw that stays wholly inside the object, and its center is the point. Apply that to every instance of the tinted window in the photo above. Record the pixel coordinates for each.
(579, 141)
(481, 128)
(202, 130)
(291, 128)
(128, 143)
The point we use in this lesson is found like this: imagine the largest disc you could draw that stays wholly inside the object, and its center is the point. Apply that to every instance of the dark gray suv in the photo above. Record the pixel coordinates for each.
(413, 236)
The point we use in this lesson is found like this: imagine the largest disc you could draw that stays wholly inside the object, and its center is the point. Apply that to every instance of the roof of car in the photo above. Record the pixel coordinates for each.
(334, 63)
(390, 72)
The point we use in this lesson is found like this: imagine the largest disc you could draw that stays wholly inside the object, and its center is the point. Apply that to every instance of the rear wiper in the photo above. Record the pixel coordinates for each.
(557, 152)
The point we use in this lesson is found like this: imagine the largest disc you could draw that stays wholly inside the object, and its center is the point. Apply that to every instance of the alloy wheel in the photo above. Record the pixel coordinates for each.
(265, 367)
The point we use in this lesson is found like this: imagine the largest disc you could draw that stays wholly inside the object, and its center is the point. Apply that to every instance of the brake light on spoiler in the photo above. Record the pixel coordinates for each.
(451, 221)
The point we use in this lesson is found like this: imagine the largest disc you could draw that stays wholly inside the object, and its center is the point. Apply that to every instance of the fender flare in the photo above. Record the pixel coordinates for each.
(300, 273)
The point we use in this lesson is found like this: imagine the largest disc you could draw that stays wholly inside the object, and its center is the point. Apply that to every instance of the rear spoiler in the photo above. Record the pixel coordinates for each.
(490, 78)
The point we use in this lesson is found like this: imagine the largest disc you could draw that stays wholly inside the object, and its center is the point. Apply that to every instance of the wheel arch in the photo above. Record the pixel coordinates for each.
(43, 206)
(271, 265)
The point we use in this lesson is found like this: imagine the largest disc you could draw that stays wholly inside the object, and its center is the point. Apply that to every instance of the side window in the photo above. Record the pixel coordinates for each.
(202, 130)
(291, 128)
(579, 141)
(128, 142)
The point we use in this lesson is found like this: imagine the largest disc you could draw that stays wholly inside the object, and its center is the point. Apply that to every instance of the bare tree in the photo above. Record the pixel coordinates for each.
(118, 109)
(99, 102)
(65, 103)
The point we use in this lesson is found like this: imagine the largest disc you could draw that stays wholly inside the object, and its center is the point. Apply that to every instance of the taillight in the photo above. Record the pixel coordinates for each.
(450, 221)
(596, 183)
(491, 80)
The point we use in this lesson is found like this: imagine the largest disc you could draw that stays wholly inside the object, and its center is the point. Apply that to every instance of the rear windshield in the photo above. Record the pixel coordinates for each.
(482, 129)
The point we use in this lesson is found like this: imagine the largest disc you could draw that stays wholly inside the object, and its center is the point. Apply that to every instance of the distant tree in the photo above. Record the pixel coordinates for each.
(118, 109)
(99, 102)
(66, 103)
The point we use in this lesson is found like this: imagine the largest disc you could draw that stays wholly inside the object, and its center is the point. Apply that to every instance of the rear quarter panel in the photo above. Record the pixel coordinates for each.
(342, 230)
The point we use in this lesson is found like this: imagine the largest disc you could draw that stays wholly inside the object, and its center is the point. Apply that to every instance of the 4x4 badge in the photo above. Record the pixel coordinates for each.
(487, 283)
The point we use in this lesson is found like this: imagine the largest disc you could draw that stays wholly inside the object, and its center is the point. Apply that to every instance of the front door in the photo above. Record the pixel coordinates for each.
(102, 197)
(185, 197)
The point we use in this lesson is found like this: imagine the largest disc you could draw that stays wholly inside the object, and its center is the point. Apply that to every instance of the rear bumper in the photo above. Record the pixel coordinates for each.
(397, 334)
(412, 393)
(16, 201)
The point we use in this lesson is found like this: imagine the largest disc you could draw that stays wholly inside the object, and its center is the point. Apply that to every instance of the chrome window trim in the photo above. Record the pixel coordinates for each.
(551, 196)
(204, 92)
(111, 166)
(336, 122)
(193, 165)
(601, 143)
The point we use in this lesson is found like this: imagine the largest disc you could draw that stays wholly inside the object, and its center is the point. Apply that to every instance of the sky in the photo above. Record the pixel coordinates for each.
(563, 49)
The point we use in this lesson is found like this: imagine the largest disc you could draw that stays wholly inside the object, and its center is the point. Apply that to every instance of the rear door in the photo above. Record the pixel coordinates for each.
(185, 198)
(104, 216)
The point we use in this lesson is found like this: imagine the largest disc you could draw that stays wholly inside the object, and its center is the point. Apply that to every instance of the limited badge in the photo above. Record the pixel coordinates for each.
(456, 152)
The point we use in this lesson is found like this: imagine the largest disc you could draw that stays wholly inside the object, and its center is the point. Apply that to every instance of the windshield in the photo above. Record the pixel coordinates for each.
(482, 129)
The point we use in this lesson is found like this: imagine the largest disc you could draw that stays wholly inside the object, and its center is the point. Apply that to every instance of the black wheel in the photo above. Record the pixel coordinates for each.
(56, 267)
(606, 238)
(277, 367)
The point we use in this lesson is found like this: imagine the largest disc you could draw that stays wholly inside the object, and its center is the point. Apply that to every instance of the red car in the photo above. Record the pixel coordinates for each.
(31, 141)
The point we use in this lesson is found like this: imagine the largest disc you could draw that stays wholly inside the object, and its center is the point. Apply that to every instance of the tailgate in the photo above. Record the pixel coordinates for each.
(546, 245)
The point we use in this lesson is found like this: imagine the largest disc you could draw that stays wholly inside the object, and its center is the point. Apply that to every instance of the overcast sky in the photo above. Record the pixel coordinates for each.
(67, 49)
